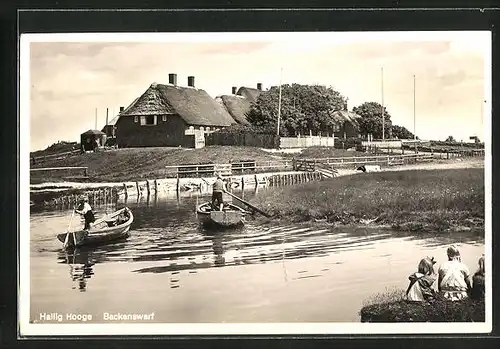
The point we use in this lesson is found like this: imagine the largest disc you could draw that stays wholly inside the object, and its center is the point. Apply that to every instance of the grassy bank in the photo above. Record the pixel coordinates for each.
(407, 200)
(391, 307)
(141, 163)
(147, 163)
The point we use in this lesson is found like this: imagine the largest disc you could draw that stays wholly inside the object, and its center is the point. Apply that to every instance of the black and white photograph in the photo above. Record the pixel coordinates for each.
(255, 183)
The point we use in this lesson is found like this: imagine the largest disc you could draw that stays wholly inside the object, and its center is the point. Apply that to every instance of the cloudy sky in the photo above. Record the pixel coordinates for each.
(70, 76)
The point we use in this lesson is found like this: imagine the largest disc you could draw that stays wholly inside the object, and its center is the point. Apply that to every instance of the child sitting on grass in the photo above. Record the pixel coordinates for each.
(420, 288)
(477, 291)
(453, 281)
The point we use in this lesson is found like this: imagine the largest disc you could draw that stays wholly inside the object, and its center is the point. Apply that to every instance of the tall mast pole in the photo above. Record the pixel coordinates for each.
(414, 114)
(383, 118)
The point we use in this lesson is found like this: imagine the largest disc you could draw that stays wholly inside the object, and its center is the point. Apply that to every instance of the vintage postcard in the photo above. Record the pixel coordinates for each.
(255, 183)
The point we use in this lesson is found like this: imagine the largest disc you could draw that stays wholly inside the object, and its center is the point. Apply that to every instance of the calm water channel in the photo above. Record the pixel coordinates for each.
(273, 272)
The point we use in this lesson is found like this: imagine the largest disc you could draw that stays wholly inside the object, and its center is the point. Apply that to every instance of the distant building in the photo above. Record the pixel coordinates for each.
(170, 115)
(91, 140)
(347, 124)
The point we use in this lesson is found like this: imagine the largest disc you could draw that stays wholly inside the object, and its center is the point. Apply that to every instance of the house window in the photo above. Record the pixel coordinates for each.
(336, 128)
(148, 120)
(163, 118)
(136, 118)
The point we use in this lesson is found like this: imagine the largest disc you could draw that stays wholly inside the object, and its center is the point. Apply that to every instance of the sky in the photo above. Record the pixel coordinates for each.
(67, 77)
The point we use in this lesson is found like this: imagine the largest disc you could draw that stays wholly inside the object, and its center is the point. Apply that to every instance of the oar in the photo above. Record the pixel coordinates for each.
(69, 227)
(248, 204)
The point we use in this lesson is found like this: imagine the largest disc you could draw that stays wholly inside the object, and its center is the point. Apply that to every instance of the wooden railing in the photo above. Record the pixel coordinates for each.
(201, 170)
(311, 164)
(37, 159)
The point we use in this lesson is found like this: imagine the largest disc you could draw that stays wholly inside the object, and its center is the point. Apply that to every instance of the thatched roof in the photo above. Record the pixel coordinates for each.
(249, 93)
(344, 115)
(237, 107)
(194, 106)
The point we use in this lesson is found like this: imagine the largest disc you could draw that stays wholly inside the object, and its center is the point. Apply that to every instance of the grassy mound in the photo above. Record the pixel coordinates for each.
(391, 307)
(408, 200)
(148, 163)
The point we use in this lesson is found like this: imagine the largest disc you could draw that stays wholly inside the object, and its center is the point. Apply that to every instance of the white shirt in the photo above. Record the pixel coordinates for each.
(85, 209)
(453, 274)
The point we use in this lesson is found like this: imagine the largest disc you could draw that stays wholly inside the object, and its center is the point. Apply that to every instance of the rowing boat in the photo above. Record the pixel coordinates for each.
(230, 216)
(109, 228)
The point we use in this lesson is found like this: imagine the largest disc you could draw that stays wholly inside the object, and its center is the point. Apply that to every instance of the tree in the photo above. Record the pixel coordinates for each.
(401, 132)
(303, 108)
(450, 139)
(371, 119)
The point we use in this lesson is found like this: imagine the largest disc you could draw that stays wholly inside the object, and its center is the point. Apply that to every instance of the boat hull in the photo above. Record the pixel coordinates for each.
(100, 233)
(232, 217)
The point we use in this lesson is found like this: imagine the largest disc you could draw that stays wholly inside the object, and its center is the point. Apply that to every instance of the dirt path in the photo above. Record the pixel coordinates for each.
(434, 165)
(442, 165)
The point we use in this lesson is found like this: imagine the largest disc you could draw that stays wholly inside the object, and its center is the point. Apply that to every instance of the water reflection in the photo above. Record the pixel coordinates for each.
(80, 263)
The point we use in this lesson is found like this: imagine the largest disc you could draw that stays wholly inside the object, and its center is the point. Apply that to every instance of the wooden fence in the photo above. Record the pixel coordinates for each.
(312, 164)
(58, 156)
(244, 139)
(210, 170)
(306, 141)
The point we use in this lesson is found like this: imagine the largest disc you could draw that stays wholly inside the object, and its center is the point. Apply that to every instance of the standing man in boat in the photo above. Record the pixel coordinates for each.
(85, 210)
(218, 188)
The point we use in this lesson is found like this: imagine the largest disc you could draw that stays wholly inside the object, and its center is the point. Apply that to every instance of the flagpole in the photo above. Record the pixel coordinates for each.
(279, 105)
(414, 114)
(95, 119)
(383, 119)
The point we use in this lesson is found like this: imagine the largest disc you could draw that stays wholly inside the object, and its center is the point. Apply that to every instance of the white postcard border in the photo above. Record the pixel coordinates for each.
(27, 329)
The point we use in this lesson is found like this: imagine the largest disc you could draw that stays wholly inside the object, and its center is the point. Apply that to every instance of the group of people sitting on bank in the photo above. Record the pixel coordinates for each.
(454, 280)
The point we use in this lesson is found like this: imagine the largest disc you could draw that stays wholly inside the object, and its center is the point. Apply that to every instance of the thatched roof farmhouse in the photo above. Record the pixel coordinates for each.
(170, 115)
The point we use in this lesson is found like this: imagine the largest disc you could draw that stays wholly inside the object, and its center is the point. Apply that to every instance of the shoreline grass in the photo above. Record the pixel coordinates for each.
(412, 200)
(390, 306)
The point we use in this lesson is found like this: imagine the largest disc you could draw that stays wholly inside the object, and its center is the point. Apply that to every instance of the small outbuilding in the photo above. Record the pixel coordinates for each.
(91, 140)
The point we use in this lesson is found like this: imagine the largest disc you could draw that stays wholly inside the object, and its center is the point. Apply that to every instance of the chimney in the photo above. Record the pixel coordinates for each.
(172, 79)
(121, 109)
(234, 90)
(259, 86)
(191, 81)
(107, 109)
